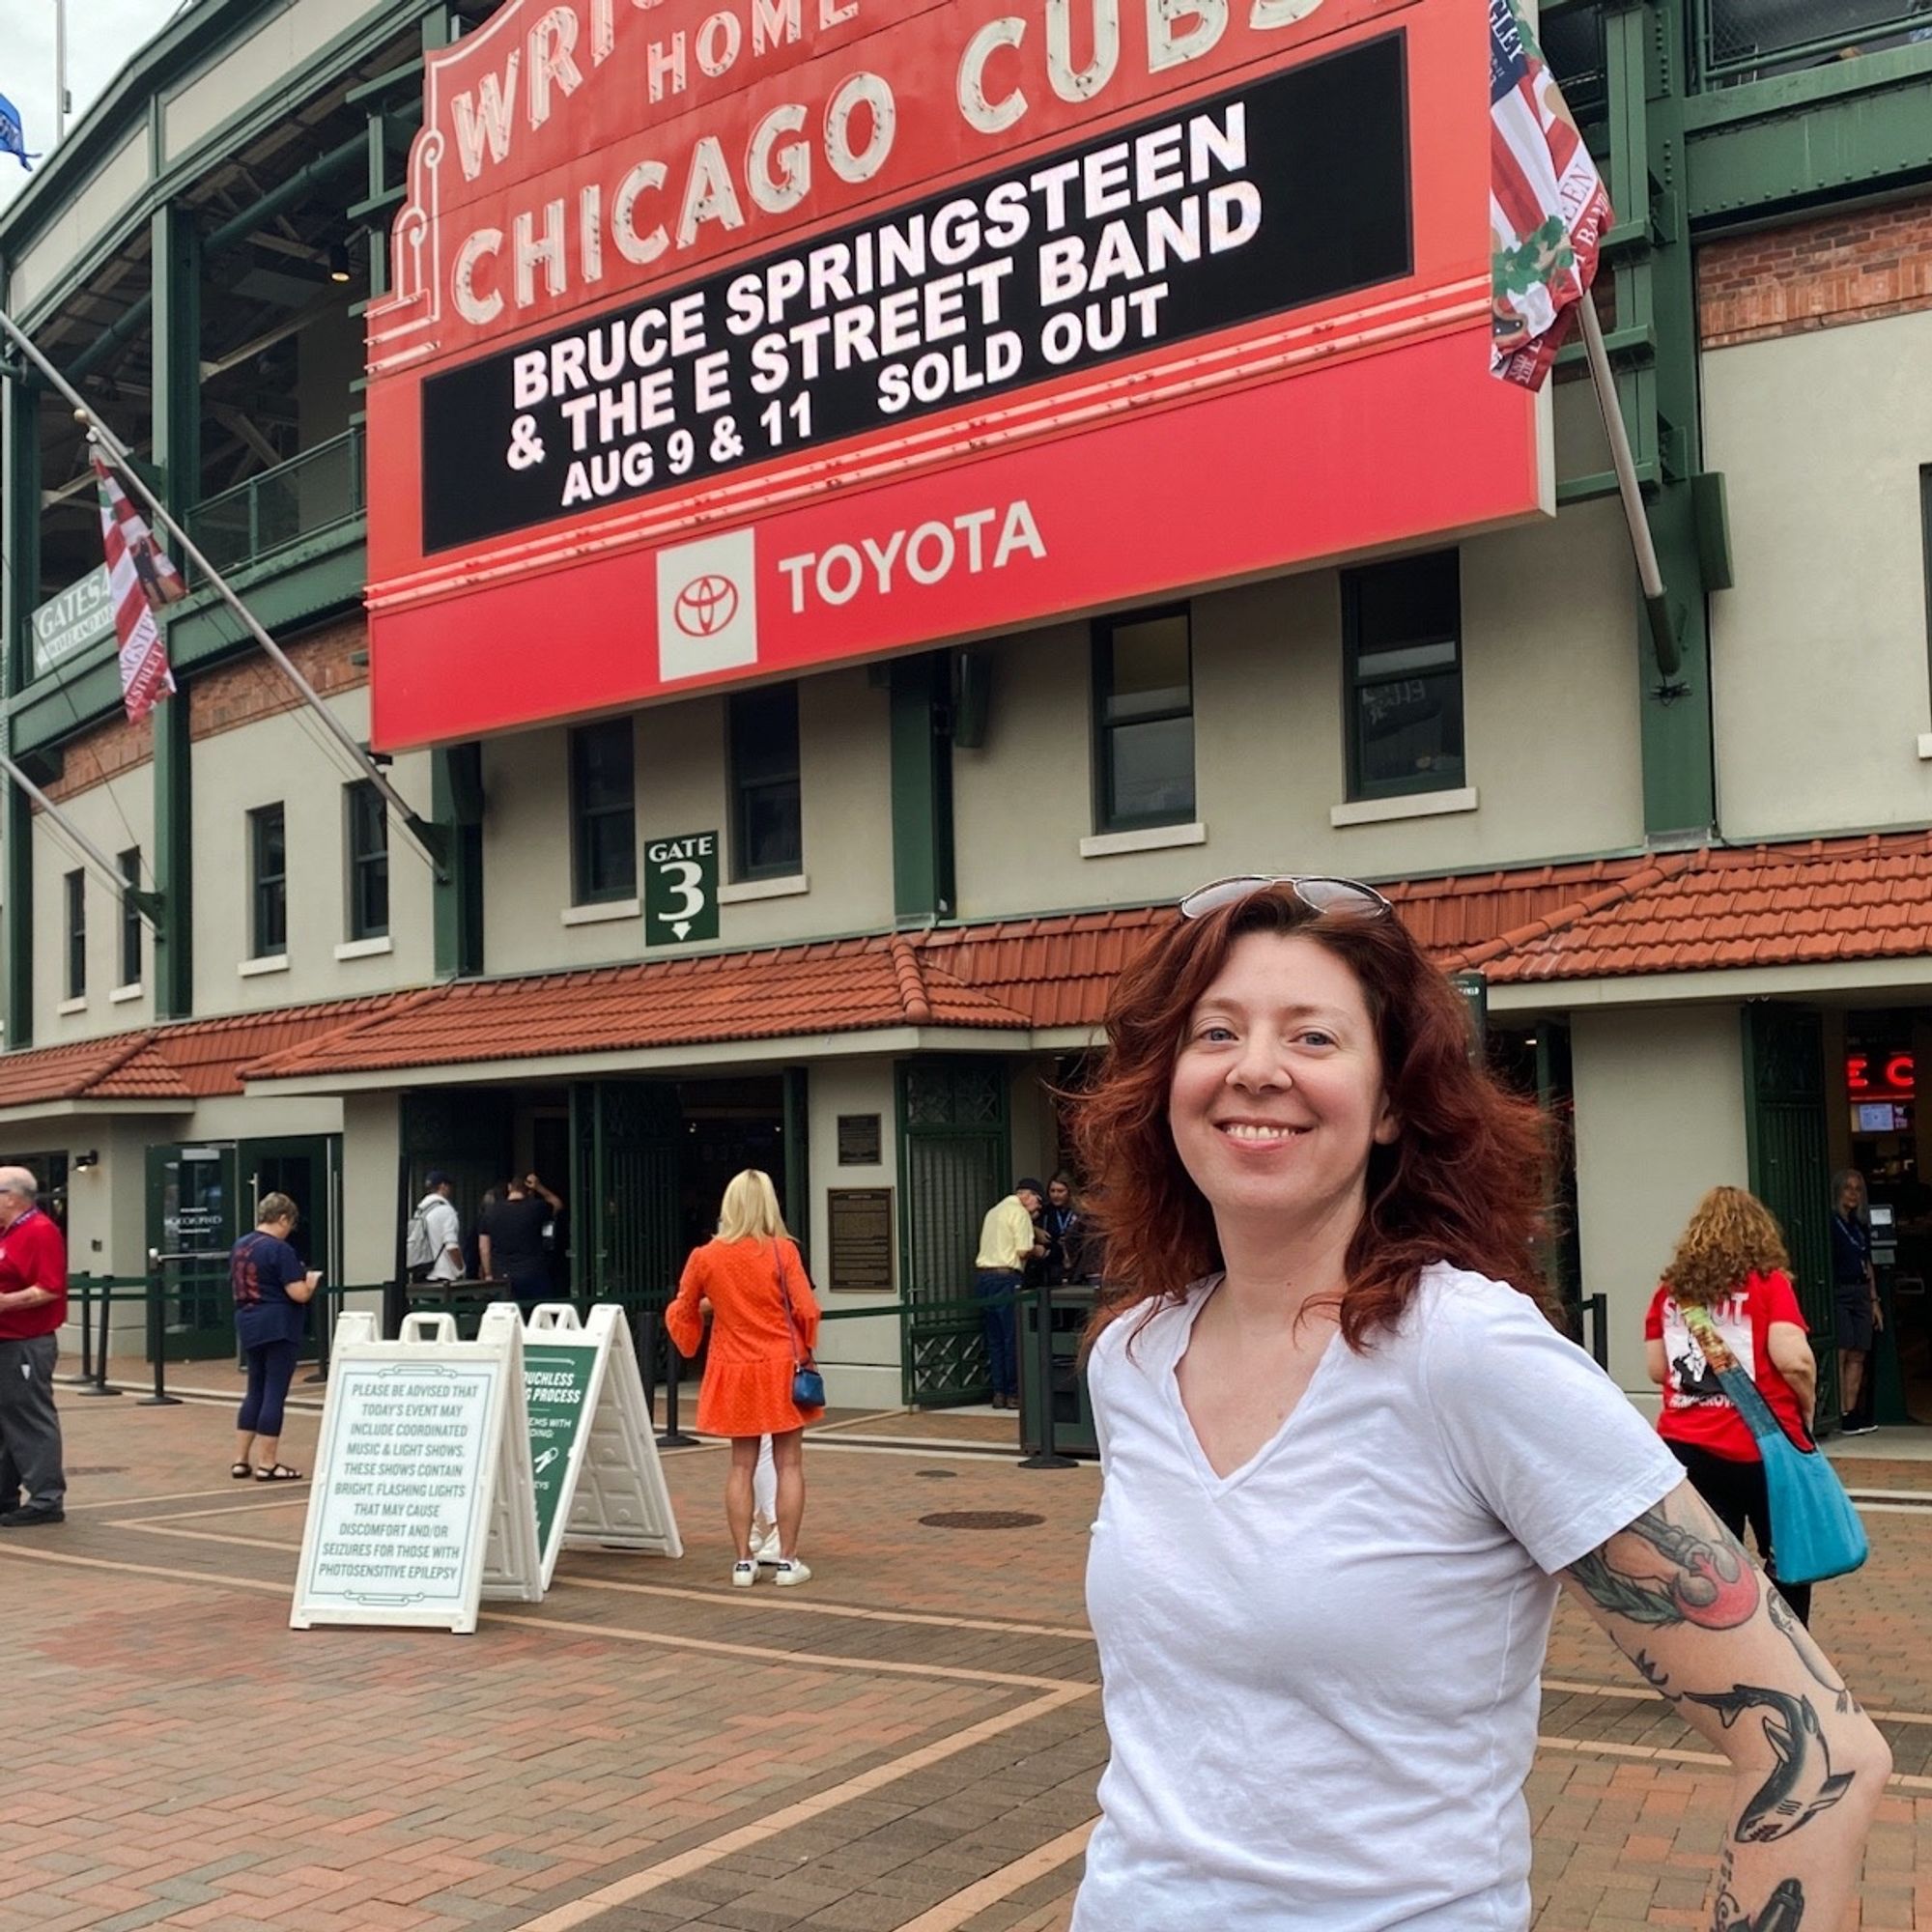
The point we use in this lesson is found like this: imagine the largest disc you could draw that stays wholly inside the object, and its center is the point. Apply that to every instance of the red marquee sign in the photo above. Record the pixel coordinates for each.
(731, 337)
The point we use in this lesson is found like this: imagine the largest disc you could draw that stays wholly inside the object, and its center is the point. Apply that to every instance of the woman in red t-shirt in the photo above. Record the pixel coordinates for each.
(1731, 1261)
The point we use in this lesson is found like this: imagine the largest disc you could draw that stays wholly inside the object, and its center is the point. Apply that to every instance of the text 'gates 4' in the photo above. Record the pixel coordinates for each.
(663, 276)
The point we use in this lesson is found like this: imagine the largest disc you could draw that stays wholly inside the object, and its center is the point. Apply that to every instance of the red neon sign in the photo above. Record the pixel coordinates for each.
(1889, 1076)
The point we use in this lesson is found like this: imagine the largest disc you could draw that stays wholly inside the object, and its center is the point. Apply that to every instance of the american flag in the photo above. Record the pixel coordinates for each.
(1547, 205)
(140, 580)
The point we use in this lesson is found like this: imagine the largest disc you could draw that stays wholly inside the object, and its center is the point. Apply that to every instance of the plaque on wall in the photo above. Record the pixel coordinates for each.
(860, 1223)
(858, 1139)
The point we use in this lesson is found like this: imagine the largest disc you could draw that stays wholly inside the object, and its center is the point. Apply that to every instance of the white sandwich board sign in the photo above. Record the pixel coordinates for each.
(599, 1482)
(423, 1501)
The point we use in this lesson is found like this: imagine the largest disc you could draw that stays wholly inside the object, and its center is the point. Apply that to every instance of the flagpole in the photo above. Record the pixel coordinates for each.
(1655, 603)
(147, 905)
(420, 835)
(60, 71)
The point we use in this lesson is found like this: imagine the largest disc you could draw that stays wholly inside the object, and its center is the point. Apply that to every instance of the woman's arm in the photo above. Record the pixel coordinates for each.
(804, 1302)
(302, 1286)
(1696, 1617)
(1790, 1351)
(1653, 1360)
(684, 1318)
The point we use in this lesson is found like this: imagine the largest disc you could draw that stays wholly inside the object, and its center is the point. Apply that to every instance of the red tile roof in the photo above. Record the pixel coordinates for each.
(835, 986)
(1866, 897)
(184, 1061)
(1823, 900)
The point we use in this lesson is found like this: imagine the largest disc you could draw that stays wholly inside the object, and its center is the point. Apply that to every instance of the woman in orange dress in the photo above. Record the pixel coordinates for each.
(744, 1279)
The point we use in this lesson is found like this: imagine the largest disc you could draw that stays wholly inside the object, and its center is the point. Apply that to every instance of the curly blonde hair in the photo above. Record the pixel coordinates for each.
(1732, 1234)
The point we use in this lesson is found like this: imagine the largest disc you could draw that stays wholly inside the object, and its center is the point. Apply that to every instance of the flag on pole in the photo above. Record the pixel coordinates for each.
(14, 136)
(1547, 205)
(140, 580)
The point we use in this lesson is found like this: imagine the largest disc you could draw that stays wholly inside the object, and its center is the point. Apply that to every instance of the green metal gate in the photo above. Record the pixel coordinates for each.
(1790, 1166)
(627, 1146)
(955, 1154)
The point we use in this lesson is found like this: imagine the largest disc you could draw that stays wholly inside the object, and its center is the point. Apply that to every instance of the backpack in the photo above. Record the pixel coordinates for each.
(418, 1249)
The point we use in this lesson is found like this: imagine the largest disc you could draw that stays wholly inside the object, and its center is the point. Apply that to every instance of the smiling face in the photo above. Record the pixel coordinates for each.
(1276, 1096)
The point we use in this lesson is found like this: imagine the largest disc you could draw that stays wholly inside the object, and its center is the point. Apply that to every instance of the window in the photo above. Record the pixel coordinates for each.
(268, 880)
(1144, 717)
(1402, 628)
(368, 846)
(766, 839)
(130, 920)
(603, 813)
(76, 887)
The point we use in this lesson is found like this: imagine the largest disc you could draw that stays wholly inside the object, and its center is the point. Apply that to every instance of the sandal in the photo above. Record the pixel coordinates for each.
(240, 1471)
(280, 1472)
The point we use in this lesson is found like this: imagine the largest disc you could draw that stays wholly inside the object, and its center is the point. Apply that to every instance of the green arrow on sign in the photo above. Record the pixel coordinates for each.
(681, 889)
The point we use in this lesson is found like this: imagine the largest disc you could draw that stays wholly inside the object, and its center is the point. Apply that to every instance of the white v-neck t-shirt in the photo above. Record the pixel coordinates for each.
(1321, 1672)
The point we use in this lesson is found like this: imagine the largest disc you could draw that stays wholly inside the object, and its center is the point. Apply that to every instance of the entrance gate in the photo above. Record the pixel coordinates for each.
(955, 1152)
(1790, 1164)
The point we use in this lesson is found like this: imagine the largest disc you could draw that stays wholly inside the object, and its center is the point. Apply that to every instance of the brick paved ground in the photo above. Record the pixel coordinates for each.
(908, 1744)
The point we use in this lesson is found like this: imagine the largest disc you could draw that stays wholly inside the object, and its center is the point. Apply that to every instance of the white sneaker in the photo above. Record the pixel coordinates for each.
(744, 1574)
(789, 1570)
(765, 1548)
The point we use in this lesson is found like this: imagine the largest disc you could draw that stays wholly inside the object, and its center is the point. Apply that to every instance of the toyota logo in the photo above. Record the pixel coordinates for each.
(705, 606)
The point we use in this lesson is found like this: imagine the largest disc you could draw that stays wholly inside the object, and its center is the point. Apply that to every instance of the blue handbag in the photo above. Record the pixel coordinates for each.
(1815, 1530)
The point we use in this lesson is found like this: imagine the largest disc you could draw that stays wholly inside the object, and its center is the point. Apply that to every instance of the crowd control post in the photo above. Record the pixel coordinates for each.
(671, 1436)
(101, 1386)
(84, 1283)
(157, 1348)
(1047, 1455)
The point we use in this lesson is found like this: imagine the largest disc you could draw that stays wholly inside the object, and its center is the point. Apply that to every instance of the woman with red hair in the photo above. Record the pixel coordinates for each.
(1348, 1463)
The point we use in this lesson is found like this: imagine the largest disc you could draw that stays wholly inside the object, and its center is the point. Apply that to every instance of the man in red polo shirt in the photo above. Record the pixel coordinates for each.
(33, 1306)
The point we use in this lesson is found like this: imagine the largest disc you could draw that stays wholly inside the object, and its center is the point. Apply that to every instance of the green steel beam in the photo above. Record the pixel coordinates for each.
(456, 804)
(1679, 755)
(1856, 126)
(177, 454)
(922, 791)
(19, 590)
(797, 1158)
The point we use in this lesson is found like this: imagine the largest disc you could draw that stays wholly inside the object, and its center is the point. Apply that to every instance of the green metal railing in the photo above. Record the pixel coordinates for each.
(1750, 40)
(302, 498)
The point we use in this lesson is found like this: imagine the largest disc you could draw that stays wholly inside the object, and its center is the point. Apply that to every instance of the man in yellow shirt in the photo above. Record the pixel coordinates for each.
(1007, 1241)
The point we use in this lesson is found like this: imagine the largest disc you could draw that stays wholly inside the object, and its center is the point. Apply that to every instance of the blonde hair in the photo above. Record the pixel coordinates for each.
(749, 1209)
(1731, 1234)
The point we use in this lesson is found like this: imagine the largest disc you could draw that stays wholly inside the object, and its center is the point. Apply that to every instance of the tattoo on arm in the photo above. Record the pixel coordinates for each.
(1783, 1911)
(1801, 1783)
(1708, 1583)
(1788, 1627)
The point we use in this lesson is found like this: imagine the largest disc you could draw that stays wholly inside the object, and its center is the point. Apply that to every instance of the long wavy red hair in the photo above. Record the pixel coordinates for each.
(1462, 1182)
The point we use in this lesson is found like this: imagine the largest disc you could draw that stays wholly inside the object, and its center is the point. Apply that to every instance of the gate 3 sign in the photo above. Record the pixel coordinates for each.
(664, 274)
(681, 889)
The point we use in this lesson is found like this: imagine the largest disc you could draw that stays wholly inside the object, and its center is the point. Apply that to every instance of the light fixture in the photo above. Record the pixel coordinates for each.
(338, 261)
(83, 1161)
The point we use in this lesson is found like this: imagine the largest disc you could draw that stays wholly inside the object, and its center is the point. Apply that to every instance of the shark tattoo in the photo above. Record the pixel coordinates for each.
(1803, 1782)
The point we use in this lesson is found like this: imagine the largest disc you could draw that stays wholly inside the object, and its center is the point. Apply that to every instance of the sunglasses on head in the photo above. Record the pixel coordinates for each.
(1348, 899)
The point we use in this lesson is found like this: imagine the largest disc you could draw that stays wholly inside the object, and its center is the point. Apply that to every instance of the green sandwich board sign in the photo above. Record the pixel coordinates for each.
(681, 889)
(593, 1456)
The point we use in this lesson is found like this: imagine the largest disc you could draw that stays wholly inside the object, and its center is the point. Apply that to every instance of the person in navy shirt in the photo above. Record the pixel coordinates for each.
(272, 1292)
(1854, 1289)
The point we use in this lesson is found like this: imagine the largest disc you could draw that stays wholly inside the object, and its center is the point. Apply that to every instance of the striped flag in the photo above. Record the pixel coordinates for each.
(140, 580)
(1547, 205)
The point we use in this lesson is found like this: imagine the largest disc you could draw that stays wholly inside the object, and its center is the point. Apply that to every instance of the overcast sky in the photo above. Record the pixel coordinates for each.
(102, 37)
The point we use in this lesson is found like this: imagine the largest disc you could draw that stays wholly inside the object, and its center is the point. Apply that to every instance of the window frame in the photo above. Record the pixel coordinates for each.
(738, 705)
(1101, 681)
(73, 918)
(359, 797)
(1361, 789)
(582, 815)
(130, 864)
(267, 892)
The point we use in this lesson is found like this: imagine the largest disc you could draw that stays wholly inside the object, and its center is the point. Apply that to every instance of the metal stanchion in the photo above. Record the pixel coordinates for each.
(157, 1340)
(1045, 1457)
(671, 1436)
(85, 1283)
(100, 1384)
(323, 1334)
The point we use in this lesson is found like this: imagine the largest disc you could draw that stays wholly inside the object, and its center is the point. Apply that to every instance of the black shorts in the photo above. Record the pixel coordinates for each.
(1855, 1318)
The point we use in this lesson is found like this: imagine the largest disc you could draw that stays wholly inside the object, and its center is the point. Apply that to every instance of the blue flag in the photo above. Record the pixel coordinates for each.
(12, 136)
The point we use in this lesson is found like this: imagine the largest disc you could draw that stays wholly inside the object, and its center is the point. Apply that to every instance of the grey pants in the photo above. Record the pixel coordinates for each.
(30, 1437)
